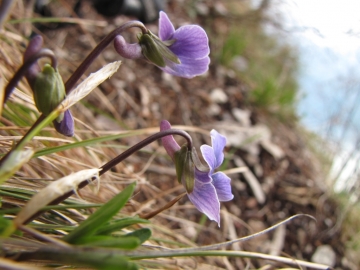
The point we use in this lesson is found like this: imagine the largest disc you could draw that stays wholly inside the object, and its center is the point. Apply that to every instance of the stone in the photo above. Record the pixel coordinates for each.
(242, 116)
(324, 254)
(240, 63)
(218, 95)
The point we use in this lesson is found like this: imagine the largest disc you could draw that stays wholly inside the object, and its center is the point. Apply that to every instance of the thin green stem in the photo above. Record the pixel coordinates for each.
(35, 129)
(227, 253)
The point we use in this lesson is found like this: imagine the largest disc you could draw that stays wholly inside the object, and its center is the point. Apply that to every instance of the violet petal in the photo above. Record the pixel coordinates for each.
(202, 177)
(126, 50)
(66, 126)
(205, 200)
(218, 143)
(169, 143)
(191, 42)
(222, 185)
(166, 28)
(33, 47)
(188, 68)
(209, 156)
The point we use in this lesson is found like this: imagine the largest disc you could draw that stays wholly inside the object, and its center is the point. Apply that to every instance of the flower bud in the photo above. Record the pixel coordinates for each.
(34, 46)
(49, 90)
(156, 50)
(126, 50)
(185, 169)
(65, 126)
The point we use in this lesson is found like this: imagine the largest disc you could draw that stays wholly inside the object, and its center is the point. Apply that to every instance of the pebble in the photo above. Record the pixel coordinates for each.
(324, 254)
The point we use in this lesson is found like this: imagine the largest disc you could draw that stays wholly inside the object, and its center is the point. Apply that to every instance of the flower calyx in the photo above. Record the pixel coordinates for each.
(156, 50)
(49, 90)
(186, 161)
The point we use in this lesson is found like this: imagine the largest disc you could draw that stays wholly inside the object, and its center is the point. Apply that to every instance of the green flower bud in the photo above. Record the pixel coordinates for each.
(185, 168)
(156, 50)
(49, 90)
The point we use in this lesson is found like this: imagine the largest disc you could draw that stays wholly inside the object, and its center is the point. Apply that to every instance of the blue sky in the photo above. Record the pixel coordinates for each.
(327, 33)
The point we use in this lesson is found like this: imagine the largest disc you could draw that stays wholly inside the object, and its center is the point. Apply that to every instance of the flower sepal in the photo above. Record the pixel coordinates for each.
(185, 168)
(156, 50)
(49, 90)
(198, 164)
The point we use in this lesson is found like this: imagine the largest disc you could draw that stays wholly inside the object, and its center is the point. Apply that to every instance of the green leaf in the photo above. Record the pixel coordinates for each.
(4, 223)
(94, 258)
(7, 227)
(101, 216)
(142, 234)
(119, 224)
(123, 242)
(51, 150)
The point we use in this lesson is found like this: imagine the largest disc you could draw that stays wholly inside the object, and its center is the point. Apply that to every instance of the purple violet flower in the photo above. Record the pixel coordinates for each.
(183, 52)
(210, 187)
(191, 46)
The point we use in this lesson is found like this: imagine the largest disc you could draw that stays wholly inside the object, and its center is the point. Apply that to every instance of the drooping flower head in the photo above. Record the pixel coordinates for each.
(48, 88)
(183, 52)
(210, 187)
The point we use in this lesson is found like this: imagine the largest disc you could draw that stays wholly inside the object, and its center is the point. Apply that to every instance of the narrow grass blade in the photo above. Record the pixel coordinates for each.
(101, 216)
(99, 259)
(123, 242)
(119, 224)
(142, 234)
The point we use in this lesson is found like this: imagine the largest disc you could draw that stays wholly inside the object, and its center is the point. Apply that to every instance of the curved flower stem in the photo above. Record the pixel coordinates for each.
(142, 144)
(167, 206)
(24, 68)
(70, 83)
(120, 158)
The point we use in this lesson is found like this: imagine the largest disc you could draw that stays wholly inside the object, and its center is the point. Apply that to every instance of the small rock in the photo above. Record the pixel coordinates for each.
(235, 210)
(240, 63)
(251, 203)
(325, 255)
(220, 9)
(238, 185)
(213, 109)
(267, 184)
(218, 95)
(202, 9)
(243, 116)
